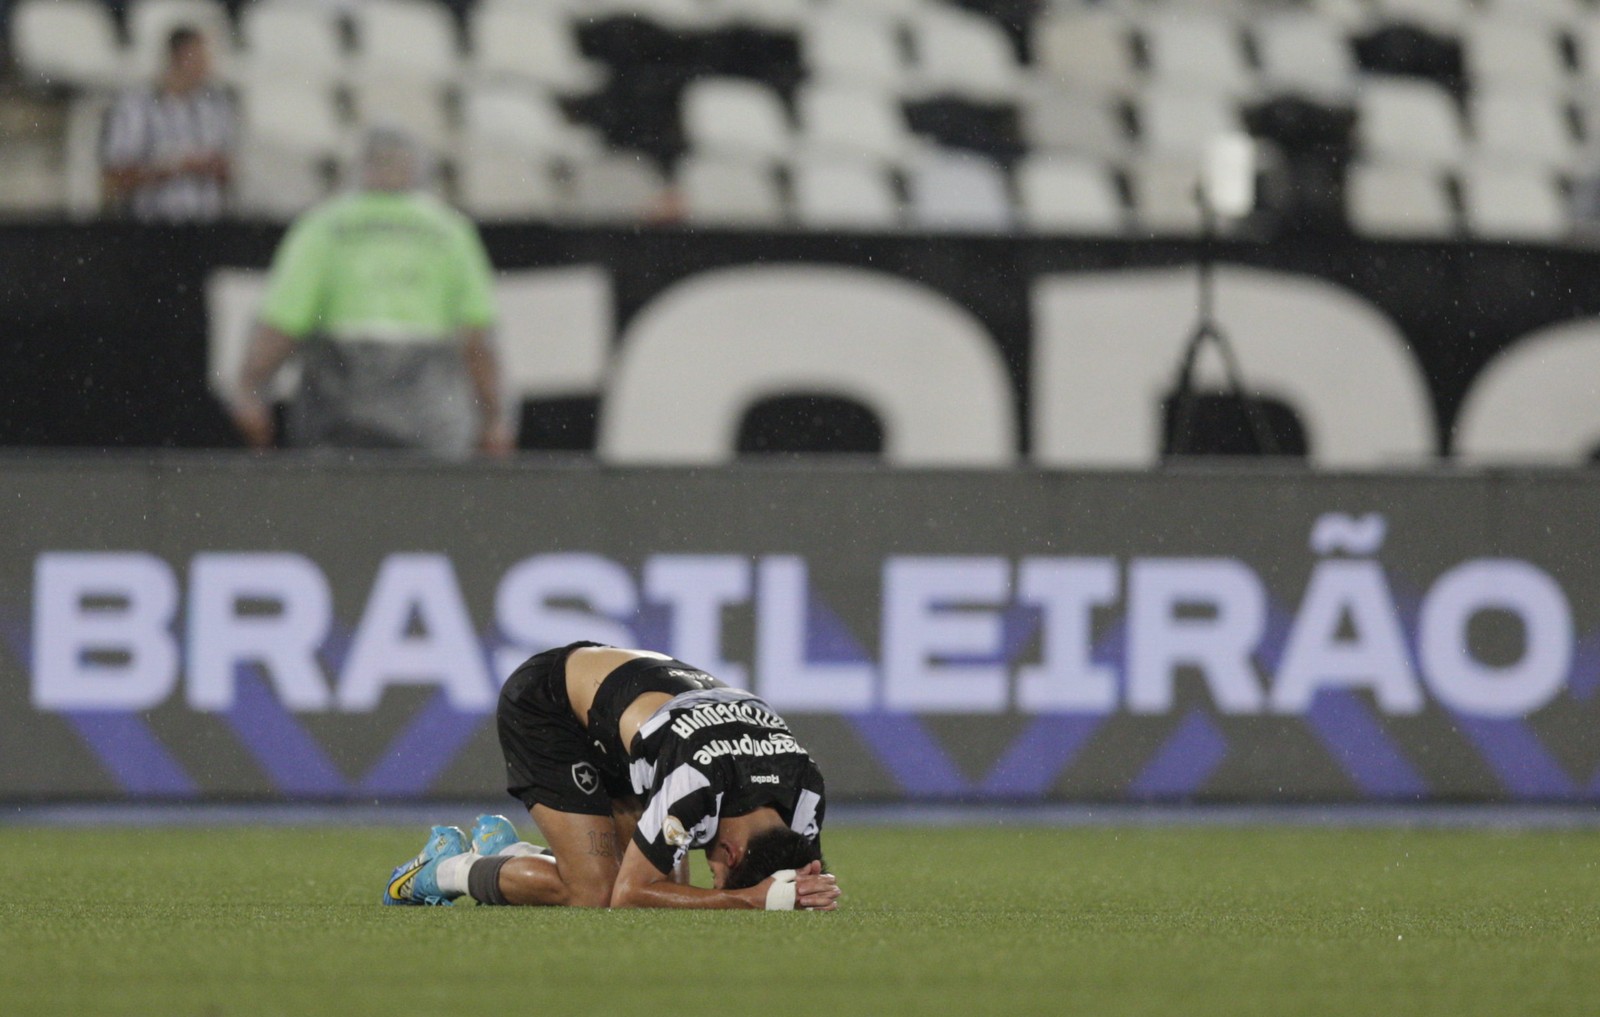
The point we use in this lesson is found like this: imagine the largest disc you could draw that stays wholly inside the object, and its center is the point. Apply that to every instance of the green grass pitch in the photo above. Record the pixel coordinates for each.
(999, 920)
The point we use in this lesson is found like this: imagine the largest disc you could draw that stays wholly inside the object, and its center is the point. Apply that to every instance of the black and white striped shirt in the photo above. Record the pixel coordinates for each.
(154, 127)
(717, 752)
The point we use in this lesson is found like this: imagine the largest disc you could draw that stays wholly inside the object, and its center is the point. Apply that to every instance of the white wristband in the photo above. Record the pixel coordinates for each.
(781, 894)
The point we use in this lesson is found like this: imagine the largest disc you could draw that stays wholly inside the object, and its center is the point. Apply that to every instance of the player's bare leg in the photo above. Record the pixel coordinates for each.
(586, 852)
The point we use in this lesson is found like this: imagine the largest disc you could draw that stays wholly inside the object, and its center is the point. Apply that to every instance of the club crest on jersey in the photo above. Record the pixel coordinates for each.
(585, 776)
(673, 833)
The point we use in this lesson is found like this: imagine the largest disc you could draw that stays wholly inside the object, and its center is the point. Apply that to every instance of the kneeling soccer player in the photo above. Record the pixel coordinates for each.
(627, 760)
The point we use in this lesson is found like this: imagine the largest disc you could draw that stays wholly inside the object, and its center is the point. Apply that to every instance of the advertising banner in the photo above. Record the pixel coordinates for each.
(328, 630)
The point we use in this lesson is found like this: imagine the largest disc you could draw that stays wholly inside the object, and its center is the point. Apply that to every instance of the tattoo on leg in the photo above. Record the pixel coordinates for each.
(603, 845)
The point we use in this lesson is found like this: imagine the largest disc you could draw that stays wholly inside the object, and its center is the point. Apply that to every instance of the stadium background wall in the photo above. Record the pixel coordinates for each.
(106, 326)
(193, 626)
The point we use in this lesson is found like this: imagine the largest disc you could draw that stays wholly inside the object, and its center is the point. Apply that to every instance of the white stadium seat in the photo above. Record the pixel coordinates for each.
(1066, 194)
(531, 43)
(1444, 16)
(833, 193)
(290, 38)
(855, 120)
(1398, 201)
(68, 42)
(399, 39)
(1515, 127)
(1506, 51)
(1193, 48)
(1304, 52)
(962, 53)
(494, 184)
(1090, 49)
(1084, 123)
(783, 15)
(1408, 120)
(414, 105)
(150, 23)
(525, 121)
(615, 188)
(961, 191)
(841, 45)
(736, 116)
(723, 191)
(1182, 123)
(291, 114)
(278, 183)
(1512, 203)
(1163, 193)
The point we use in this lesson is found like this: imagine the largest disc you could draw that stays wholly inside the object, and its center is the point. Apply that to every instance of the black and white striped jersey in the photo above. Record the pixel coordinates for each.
(713, 753)
(153, 127)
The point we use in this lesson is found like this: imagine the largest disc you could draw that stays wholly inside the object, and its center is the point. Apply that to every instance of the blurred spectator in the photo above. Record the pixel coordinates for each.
(167, 150)
(385, 298)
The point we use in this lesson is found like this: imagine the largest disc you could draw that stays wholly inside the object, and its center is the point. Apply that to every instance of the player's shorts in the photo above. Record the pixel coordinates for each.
(552, 759)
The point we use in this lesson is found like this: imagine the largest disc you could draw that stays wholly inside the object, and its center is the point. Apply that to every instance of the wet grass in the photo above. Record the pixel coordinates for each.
(966, 921)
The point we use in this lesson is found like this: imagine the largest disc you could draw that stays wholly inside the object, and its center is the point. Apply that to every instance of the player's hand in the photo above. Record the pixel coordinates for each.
(815, 890)
(254, 421)
(497, 440)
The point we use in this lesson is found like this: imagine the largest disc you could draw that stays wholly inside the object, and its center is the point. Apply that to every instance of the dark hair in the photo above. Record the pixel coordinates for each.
(181, 37)
(769, 851)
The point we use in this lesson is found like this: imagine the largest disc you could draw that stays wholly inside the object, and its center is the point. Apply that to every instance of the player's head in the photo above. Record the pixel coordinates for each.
(736, 866)
(188, 57)
(390, 160)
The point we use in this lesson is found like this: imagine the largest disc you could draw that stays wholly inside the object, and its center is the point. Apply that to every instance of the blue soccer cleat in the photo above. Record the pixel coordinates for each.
(414, 882)
(491, 833)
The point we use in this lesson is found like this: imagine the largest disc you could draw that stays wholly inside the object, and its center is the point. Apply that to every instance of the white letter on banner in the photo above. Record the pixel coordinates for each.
(1159, 640)
(526, 618)
(787, 680)
(1316, 658)
(698, 586)
(420, 587)
(117, 605)
(284, 641)
(1518, 588)
(916, 631)
(1066, 679)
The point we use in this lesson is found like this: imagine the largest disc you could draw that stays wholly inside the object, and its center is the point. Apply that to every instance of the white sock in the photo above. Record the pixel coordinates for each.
(451, 875)
(522, 849)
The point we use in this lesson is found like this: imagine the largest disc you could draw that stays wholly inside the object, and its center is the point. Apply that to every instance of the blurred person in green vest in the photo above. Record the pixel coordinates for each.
(385, 297)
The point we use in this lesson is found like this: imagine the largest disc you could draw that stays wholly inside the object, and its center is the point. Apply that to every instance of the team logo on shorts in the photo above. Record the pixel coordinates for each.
(584, 775)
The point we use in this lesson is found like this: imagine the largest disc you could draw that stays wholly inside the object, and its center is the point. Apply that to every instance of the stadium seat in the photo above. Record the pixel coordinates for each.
(724, 191)
(1505, 52)
(899, 10)
(530, 43)
(1398, 201)
(86, 117)
(786, 15)
(1516, 127)
(150, 23)
(1067, 194)
(1190, 48)
(415, 105)
(1512, 203)
(524, 121)
(1408, 121)
(71, 43)
(678, 14)
(839, 192)
(1090, 49)
(1182, 124)
(958, 191)
(277, 183)
(498, 185)
(962, 53)
(291, 114)
(33, 184)
(292, 39)
(839, 45)
(399, 39)
(734, 116)
(1439, 15)
(1163, 196)
(620, 187)
(1555, 13)
(854, 120)
(1083, 123)
(1304, 52)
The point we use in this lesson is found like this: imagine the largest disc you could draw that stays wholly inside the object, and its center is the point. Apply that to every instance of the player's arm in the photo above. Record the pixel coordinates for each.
(252, 413)
(641, 885)
(483, 367)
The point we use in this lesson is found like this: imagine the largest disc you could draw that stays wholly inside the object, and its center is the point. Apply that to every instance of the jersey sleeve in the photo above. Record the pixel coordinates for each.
(475, 293)
(299, 269)
(682, 814)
